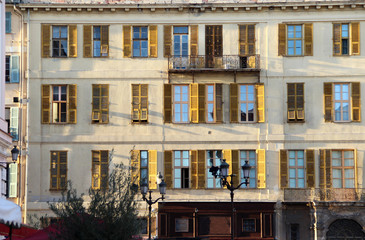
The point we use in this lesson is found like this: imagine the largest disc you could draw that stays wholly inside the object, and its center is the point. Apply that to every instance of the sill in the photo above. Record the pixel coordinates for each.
(296, 121)
(146, 122)
(139, 57)
(100, 57)
(290, 56)
(57, 190)
(101, 123)
(59, 57)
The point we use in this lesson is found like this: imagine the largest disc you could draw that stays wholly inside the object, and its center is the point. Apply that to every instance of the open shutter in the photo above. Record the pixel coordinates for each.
(260, 100)
(328, 109)
(96, 109)
(233, 103)
(242, 40)
(251, 40)
(135, 102)
(54, 170)
(194, 40)
(194, 169)
(219, 102)
(144, 103)
(87, 41)
(325, 169)
(46, 103)
(152, 169)
(127, 42)
(282, 40)
(168, 169)
(227, 154)
(356, 101)
(72, 103)
(291, 101)
(167, 110)
(63, 171)
(167, 29)
(261, 168)
(8, 22)
(135, 166)
(308, 39)
(236, 167)
(152, 41)
(95, 170)
(300, 101)
(13, 180)
(72, 40)
(46, 40)
(14, 77)
(194, 103)
(283, 168)
(104, 169)
(104, 103)
(355, 38)
(201, 169)
(14, 125)
(201, 94)
(310, 168)
(104, 50)
(328, 168)
(337, 39)
(355, 169)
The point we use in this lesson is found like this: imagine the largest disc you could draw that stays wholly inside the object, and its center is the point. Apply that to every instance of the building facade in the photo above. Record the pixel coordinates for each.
(175, 88)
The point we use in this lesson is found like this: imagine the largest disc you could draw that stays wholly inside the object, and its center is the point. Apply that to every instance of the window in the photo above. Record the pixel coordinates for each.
(210, 103)
(100, 111)
(249, 225)
(12, 69)
(140, 41)
(7, 68)
(247, 103)
(294, 232)
(181, 103)
(8, 22)
(59, 103)
(144, 167)
(296, 39)
(214, 158)
(343, 169)
(100, 169)
(59, 41)
(139, 103)
(346, 39)
(342, 102)
(250, 157)
(96, 41)
(58, 170)
(3, 180)
(296, 169)
(247, 40)
(177, 40)
(295, 101)
(213, 46)
(181, 169)
(181, 47)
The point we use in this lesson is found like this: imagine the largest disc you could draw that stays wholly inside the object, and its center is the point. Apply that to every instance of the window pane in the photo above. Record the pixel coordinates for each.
(96, 48)
(300, 183)
(300, 162)
(177, 183)
(291, 154)
(292, 183)
(336, 173)
(336, 162)
(337, 183)
(349, 162)
(177, 154)
(349, 173)
(177, 162)
(349, 154)
(144, 32)
(136, 48)
(96, 32)
(64, 32)
(177, 173)
(345, 30)
(300, 173)
(290, 31)
(292, 173)
(349, 183)
(135, 32)
(298, 31)
(298, 47)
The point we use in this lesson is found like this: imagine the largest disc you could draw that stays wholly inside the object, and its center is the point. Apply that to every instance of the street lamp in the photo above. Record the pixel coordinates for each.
(150, 202)
(14, 155)
(223, 175)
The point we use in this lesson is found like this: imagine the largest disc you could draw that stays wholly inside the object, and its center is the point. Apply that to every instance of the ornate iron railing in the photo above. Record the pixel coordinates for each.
(205, 62)
(318, 194)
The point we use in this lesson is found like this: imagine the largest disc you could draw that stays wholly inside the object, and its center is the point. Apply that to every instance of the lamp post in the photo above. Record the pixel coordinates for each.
(150, 202)
(223, 175)
(14, 155)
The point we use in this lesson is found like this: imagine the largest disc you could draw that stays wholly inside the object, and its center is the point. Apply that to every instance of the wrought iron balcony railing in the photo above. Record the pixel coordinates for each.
(205, 62)
(329, 195)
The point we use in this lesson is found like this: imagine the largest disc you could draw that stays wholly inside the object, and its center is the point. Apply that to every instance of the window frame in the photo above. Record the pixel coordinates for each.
(59, 103)
(140, 39)
(295, 39)
(58, 174)
(215, 161)
(207, 103)
(181, 102)
(247, 102)
(253, 168)
(296, 167)
(103, 52)
(144, 168)
(342, 168)
(182, 168)
(341, 101)
(53, 39)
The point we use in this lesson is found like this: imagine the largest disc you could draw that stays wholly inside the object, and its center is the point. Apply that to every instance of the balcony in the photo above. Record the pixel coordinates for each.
(204, 63)
(326, 195)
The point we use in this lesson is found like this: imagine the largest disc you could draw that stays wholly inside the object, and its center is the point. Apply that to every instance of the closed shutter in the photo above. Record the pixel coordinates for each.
(236, 166)
(328, 168)
(356, 101)
(355, 38)
(202, 112)
(283, 168)
(87, 41)
(167, 40)
(135, 166)
(282, 40)
(104, 41)
(328, 109)
(46, 40)
(242, 40)
(194, 103)
(104, 103)
(95, 170)
(310, 168)
(300, 101)
(261, 168)
(104, 169)
(308, 39)
(152, 169)
(96, 108)
(127, 42)
(13, 180)
(46, 103)
(136, 102)
(54, 171)
(167, 110)
(8, 22)
(251, 40)
(194, 40)
(227, 155)
(322, 168)
(63, 171)
(14, 123)
(14, 77)
(72, 103)
(194, 169)
(152, 41)
(201, 169)
(337, 39)
(260, 100)
(233, 104)
(219, 102)
(144, 103)
(168, 168)
(72, 40)
(291, 101)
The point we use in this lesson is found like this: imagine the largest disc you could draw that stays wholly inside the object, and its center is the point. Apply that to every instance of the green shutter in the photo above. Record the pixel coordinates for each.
(14, 65)
(13, 180)
(14, 125)
(8, 22)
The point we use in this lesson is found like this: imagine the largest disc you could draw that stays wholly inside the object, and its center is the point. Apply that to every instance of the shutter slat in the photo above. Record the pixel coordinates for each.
(236, 166)
(227, 155)
(322, 168)
(127, 42)
(251, 40)
(87, 41)
(242, 40)
(337, 48)
(13, 180)
(310, 168)
(8, 22)
(15, 71)
(72, 40)
(194, 169)
(14, 125)
(233, 108)
(201, 94)
(167, 37)
(152, 169)
(356, 101)
(104, 48)
(144, 103)
(328, 168)
(46, 40)
(283, 168)
(152, 41)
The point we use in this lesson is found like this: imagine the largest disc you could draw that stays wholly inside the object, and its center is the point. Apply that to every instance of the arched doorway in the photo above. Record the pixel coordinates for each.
(345, 229)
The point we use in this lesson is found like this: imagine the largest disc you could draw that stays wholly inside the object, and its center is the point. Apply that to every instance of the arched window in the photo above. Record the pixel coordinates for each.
(345, 229)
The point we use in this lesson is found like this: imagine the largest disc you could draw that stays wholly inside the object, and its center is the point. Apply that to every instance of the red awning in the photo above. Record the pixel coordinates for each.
(18, 233)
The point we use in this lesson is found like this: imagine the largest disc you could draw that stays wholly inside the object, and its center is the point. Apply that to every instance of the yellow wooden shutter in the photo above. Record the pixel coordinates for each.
(168, 169)
(291, 100)
(144, 103)
(194, 40)
(201, 94)
(95, 170)
(251, 40)
(152, 169)
(322, 168)
(236, 166)
(310, 168)
(104, 103)
(72, 103)
(104, 42)
(135, 102)
(87, 41)
(284, 168)
(167, 109)
(337, 48)
(308, 39)
(261, 168)
(227, 154)
(299, 100)
(356, 101)
(219, 102)
(233, 103)
(242, 41)
(72, 40)
(135, 166)
(96, 110)
(54, 169)
(328, 168)
(62, 180)
(194, 169)
(46, 103)
(167, 37)
(328, 109)
(127, 42)
(46, 40)
(152, 41)
(282, 40)
(201, 169)
(355, 38)
(260, 100)
(194, 103)
(355, 169)
(104, 169)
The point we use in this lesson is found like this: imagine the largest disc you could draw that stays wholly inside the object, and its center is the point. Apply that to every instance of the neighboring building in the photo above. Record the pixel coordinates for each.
(176, 88)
